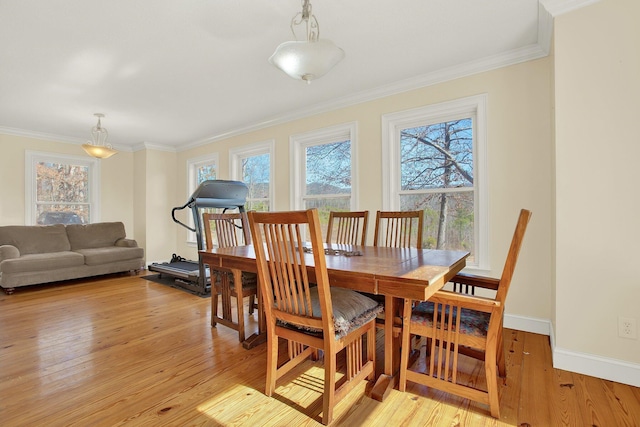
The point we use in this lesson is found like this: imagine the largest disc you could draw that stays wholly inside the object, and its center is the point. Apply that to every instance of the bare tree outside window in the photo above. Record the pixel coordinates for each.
(62, 193)
(255, 173)
(437, 175)
(328, 178)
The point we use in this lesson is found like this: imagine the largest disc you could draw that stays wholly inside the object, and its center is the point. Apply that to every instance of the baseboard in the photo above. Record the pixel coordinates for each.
(527, 324)
(597, 366)
(588, 364)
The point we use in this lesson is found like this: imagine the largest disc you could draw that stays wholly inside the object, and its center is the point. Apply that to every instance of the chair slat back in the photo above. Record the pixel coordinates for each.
(398, 229)
(350, 227)
(232, 229)
(282, 268)
(512, 256)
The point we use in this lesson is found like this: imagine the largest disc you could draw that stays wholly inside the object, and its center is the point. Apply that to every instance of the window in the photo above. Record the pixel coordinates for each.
(199, 169)
(324, 174)
(252, 165)
(436, 164)
(61, 189)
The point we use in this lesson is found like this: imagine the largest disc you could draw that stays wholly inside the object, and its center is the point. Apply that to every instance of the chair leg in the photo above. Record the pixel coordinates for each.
(252, 303)
(272, 362)
(502, 369)
(406, 348)
(371, 351)
(492, 382)
(328, 398)
(237, 276)
(214, 306)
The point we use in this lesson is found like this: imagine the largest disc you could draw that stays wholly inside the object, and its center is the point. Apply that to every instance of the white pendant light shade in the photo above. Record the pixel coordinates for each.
(307, 60)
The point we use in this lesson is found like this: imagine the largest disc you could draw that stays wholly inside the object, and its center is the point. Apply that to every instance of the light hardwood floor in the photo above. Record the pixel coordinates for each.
(122, 350)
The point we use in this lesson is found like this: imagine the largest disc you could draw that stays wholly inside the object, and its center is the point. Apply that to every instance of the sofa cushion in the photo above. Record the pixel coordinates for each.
(35, 239)
(41, 262)
(107, 255)
(99, 235)
(8, 252)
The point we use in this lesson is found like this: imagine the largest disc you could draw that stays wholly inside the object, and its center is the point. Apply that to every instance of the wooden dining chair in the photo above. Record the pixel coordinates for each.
(350, 227)
(232, 229)
(398, 229)
(461, 324)
(310, 317)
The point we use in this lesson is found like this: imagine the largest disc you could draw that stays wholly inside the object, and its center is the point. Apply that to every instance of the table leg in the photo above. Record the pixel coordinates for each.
(261, 337)
(237, 282)
(387, 380)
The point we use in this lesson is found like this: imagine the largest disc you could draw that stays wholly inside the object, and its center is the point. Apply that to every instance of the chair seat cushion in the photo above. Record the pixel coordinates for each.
(472, 322)
(249, 280)
(350, 310)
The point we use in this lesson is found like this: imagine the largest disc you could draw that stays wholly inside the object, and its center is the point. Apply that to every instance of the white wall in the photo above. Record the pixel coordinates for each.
(597, 80)
(155, 195)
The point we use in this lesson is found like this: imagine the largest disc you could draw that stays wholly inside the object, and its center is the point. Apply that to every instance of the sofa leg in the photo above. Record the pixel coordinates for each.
(8, 291)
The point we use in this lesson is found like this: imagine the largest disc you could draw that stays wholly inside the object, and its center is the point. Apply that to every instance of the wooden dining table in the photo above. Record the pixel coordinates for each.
(395, 273)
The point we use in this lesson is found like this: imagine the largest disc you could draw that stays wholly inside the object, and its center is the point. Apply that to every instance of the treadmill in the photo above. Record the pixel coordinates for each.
(214, 193)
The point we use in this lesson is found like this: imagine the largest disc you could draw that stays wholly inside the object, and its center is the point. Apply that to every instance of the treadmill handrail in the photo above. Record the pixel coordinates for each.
(179, 208)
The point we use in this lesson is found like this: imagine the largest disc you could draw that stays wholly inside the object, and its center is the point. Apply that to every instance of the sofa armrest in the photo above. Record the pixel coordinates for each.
(127, 243)
(8, 252)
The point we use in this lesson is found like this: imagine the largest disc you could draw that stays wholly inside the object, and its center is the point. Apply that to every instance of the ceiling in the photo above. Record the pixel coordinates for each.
(179, 73)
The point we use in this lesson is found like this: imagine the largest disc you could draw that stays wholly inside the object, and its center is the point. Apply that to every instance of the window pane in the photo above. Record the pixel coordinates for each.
(328, 168)
(448, 219)
(437, 156)
(255, 173)
(62, 193)
(257, 205)
(326, 205)
(205, 172)
(62, 214)
(58, 182)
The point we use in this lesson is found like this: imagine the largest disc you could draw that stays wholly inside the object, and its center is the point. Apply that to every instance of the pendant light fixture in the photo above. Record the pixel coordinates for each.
(98, 146)
(308, 59)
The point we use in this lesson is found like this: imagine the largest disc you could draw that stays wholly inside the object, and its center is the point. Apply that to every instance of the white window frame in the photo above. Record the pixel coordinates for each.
(236, 155)
(392, 125)
(298, 144)
(192, 182)
(33, 157)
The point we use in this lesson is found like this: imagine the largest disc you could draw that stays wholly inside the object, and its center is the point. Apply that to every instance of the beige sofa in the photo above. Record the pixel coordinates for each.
(31, 254)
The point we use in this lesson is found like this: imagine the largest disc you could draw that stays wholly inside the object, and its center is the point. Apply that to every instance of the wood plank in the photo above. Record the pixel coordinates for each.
(510, 392)
(566, 408)
(534, 391)
(624, 403)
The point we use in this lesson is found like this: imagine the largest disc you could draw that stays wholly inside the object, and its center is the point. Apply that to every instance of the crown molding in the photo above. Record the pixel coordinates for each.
(79, 141)
(559, 7)
(53, 137)
(149, 146)
(545, 29)
(41, 135)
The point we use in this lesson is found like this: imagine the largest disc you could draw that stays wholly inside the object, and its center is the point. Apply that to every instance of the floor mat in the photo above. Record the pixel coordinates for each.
(171, 282)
